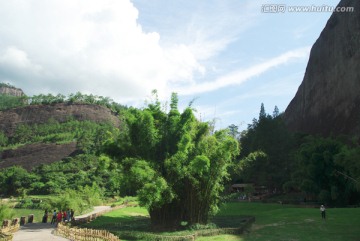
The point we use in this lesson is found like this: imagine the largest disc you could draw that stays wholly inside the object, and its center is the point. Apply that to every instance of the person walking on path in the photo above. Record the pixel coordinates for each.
(72, 217)
(68, 215)
(45, 217)
(64, 216)
(59, 216)
(322, 210)
(53, 220)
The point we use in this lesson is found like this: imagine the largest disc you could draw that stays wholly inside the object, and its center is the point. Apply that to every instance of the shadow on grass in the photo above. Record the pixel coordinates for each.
(127, 223)
(230, 221)
(139, 227)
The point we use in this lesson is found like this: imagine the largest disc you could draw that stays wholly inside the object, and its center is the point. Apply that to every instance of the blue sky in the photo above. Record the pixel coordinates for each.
(227, 54)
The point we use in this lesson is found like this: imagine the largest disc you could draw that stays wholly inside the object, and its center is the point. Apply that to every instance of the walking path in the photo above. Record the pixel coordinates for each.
(45, 231)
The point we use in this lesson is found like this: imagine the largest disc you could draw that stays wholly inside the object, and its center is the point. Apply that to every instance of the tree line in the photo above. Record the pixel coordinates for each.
(8, 101)
(322, 169)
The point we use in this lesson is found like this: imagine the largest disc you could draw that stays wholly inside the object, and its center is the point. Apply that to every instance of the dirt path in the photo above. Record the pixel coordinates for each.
(45, 231)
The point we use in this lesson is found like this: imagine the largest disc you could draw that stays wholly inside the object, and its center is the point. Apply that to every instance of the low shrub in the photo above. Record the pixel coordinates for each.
(5, 212)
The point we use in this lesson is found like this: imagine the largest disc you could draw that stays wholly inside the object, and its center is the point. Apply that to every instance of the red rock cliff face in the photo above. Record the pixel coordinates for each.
(328, 100)
(38, 114)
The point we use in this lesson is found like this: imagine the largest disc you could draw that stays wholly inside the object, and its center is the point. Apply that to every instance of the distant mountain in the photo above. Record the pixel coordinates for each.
(328, 99)
(29, 154)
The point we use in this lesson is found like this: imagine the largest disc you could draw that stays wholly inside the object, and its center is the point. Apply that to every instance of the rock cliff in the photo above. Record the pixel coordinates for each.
(32, 155)
(328, 99)
(5, 90)
(38, 114)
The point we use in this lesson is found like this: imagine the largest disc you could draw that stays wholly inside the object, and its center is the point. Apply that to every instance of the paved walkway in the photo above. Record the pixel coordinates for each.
(37, 231)
(45, 231)
(97, 209)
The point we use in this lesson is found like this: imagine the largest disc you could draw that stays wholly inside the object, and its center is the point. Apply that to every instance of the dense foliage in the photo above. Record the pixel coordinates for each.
(322, 169)
(86, 168)
(9, 101)
(88, 135)
(74, 173)
(5, 212)
(266, 151)
(321, 173)
(173, 163)
(75, 98)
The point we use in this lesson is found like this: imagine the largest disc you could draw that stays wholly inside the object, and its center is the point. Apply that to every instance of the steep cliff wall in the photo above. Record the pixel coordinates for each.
(11, 91)
(328, 99)
(30, 156)
(38, 114)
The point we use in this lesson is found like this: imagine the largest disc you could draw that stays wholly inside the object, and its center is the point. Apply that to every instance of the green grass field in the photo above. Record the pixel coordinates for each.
(284, 222)
(38, 214)
(274, 222)
(134, 218)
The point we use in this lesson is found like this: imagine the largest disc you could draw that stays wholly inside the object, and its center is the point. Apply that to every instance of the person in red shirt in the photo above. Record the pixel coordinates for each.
(64, 216)
(59, 216)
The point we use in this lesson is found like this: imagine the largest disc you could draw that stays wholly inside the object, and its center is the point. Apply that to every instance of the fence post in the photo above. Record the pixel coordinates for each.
(23, 220)
(31, 218)
(5, 223)
(15, 221)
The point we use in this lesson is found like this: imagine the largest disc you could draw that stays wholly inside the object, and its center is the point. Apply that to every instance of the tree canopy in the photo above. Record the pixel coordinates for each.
(175, 165)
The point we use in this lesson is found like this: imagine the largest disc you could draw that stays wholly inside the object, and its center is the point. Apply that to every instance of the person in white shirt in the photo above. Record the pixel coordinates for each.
(322, 210)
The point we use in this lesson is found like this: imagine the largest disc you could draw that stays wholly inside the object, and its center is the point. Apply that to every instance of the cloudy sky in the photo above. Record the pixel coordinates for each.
(229, 55)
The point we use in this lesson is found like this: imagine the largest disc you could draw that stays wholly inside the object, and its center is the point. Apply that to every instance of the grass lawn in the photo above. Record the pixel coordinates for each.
(38, 214)
(134, 218)
(274, 222)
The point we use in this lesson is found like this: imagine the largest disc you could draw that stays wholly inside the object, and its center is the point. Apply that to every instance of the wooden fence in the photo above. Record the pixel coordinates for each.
(8, 228)
(85, 234)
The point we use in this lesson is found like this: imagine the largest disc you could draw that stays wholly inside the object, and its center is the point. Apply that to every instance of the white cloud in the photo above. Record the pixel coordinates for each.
(240, 76)
(92, 46)
(18, 59)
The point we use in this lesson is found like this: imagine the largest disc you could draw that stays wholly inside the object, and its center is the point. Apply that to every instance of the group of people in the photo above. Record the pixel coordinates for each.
(59, 216)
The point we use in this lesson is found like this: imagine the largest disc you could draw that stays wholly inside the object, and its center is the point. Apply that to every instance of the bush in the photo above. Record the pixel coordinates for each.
(30, 203)
(25, 203)
(5, 212)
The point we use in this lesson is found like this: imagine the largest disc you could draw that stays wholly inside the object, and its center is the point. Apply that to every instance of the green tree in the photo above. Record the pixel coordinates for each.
(14, 180)
(348, 158)
(276, 112)
(175, 165)
(234, 131)
(320, 163)
(262, 113)
(268, 136)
